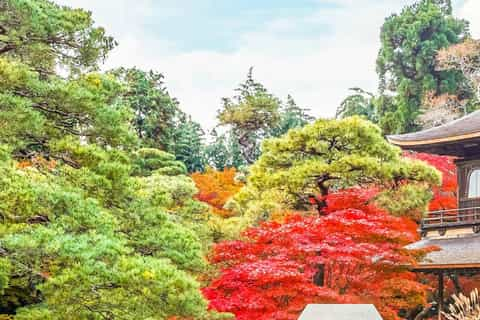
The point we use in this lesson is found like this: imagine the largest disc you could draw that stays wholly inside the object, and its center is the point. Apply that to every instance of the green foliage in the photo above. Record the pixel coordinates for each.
(92, 258)
(102, 174)
(4, 274)
(291, 116)
(132, 288)
(157, 120)
(360, 103)
(175, 194)
(188, 144)
(91, 226)
(224, 151)
(409, 199)
(150, 160)
(250, 114)
(155, 112)
(167, 191)
(406, 61)
(153, 234)
(253, 115)
(43, 34)
(323, 156)
(36, 114)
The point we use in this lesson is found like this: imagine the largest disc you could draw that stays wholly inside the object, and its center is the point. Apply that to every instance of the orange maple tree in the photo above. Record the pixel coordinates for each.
(216, 187)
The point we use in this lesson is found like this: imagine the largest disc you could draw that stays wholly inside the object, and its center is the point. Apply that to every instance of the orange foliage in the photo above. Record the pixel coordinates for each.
(37, 162)
(216, 187)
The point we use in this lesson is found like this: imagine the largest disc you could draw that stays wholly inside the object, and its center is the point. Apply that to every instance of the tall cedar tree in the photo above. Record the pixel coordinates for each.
(155, 112)
(406, 60)
(157, 118)
(223, 151)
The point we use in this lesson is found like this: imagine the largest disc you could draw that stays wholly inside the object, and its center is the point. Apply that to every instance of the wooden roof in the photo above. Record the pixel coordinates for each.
(460, 252)
(459, 138)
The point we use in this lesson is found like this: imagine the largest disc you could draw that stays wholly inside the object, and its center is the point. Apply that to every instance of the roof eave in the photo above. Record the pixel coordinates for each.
(419, 143)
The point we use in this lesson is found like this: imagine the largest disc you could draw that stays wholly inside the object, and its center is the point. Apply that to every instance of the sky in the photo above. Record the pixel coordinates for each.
(314, 50)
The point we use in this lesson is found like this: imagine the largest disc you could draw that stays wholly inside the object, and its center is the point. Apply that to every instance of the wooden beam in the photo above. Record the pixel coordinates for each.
(427, 267)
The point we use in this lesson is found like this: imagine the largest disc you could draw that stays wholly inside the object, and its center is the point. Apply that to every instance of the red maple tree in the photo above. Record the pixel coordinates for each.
(354, 254)
(445, 196)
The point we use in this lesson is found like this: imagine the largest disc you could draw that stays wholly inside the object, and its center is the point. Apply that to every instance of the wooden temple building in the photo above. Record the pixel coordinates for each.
(456, 232)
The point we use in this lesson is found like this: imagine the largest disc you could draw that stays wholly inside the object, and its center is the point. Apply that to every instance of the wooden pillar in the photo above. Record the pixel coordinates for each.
(440, 294)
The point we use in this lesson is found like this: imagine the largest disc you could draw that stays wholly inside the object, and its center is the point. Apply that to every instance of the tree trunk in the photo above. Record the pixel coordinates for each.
(319, 277)
(322, 203)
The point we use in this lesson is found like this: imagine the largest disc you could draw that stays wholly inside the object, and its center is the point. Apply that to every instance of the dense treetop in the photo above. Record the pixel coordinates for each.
(411, 82)
(44, 34)
(323, 156)
(255, 114)
(406, 61)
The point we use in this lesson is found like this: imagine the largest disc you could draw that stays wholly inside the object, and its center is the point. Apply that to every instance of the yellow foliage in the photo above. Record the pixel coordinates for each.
(148, 275)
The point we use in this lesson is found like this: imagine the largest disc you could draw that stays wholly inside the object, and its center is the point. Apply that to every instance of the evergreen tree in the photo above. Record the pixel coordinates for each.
(360, 103)
(250, 115)
(216, 152)
(329, 155)
(44, 35)
(223, 151)
(155, 113)
(157, 118)
(188, 145)
(90, 226)
(291, 116)
(406, 60)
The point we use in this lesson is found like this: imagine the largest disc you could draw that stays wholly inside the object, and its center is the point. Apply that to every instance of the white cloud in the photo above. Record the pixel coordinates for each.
(470, 10)
(316, 69)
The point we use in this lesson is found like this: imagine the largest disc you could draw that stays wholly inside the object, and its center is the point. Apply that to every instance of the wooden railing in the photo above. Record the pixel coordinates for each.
(452, 218)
